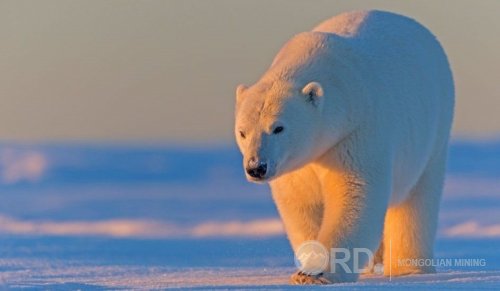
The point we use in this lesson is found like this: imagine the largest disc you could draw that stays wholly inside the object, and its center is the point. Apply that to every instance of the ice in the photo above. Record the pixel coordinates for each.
(153, 217)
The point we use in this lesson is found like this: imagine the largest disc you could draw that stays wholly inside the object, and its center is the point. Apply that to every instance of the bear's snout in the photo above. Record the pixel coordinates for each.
(256, 169)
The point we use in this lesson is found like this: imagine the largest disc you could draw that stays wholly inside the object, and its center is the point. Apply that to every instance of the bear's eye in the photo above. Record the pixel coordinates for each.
(242, 134)
(278, 130)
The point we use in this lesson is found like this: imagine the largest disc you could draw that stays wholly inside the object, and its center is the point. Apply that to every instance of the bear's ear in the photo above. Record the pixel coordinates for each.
(313, 93)
(239, 92)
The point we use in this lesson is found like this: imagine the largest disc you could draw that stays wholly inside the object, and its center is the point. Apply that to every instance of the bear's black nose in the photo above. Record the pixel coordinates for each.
(256, 169)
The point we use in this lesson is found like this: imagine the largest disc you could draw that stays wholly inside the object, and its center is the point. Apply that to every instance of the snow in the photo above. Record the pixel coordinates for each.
(142, 228)
(474, 229)
(21, 165)
(155, 217)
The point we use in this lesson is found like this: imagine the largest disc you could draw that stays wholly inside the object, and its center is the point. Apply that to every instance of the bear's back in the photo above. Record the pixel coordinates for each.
(405, 70)
(345, 24)
(374, 24)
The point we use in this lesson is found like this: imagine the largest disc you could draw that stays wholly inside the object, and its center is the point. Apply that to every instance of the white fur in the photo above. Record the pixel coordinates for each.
(368, 145)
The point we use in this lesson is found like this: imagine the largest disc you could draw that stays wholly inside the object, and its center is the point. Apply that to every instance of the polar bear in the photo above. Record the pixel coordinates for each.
(350, 127)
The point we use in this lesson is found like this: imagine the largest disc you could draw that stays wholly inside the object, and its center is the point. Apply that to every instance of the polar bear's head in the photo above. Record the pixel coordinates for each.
(276, 127)
(293, 114)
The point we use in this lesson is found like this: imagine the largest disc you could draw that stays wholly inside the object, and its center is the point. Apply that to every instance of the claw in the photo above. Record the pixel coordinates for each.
(300, 278)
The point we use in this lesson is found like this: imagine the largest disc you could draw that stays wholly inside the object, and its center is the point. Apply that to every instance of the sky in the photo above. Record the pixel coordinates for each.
(166, 71)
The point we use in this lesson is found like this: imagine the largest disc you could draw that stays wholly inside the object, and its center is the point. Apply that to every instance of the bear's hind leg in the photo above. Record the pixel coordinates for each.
(410, 227)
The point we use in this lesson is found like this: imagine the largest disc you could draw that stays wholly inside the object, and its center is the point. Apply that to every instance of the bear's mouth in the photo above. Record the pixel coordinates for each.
(257, 180)
(261, 180)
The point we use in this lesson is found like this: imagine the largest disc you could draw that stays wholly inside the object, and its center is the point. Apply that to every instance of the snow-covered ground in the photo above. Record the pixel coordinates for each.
(108, 216)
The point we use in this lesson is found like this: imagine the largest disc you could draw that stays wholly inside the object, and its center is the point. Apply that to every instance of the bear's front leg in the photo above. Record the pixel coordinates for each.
(298, 198)
(300, 204)
(354, 207)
